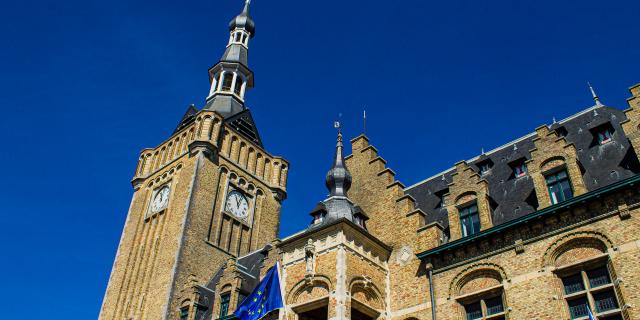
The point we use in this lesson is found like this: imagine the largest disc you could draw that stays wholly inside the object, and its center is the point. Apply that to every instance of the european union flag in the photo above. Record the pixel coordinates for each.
(265, 298)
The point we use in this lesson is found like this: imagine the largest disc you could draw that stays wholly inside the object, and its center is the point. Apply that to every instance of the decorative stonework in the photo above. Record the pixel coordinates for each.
(631, 125)
(404, 255)
(310, 258)
(519, 246)
(494, 274)
(553, 153)
(466, 188)
(586, 242)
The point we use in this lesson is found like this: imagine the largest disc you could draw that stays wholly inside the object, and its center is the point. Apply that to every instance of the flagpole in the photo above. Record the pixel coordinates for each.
(284, 303)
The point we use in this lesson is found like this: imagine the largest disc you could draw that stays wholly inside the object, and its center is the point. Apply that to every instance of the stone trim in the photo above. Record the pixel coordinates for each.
(556, 248)
(467, 274)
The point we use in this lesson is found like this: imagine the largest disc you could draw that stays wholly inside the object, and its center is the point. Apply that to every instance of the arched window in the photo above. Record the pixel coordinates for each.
(238, 87)
(227, 81)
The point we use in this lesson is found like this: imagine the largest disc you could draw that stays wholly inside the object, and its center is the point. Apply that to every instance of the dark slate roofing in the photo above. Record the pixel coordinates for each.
(236, 53)
(244, 124)
(513, 197)
(187, 118)
(249, 267)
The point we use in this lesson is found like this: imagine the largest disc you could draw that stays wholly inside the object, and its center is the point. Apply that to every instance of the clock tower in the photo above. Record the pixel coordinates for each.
(209, 193)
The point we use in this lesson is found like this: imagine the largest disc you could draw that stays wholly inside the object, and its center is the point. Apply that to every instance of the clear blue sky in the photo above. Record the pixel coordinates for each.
(85, 85)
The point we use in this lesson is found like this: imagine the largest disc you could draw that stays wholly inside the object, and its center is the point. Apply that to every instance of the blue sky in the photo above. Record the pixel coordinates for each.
(85, 85)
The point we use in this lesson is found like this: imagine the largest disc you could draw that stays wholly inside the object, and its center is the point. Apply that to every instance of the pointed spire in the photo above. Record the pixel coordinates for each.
(244, 20)
(338, 178)
(595, 96)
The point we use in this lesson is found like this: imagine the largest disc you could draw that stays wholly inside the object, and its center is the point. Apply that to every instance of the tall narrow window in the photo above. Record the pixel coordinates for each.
(469, 220)
(227, 81)
(559, 187)
(591, 289)
(184, 313)
(238, 87)
(224, 304)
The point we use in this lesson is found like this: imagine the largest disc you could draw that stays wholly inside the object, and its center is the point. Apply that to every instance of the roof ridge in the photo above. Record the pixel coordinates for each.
(506, 145)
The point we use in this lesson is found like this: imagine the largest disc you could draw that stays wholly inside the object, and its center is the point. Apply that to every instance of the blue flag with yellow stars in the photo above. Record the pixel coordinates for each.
(265, 298)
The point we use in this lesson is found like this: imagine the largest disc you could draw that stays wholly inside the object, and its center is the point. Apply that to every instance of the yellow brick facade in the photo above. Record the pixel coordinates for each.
(162, 256)
(178, 256)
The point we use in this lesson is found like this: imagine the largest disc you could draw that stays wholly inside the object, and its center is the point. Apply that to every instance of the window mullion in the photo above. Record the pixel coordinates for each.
(591, 303)
(483, 307)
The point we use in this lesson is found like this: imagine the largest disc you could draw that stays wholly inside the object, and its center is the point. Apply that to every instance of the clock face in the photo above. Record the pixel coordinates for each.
(237, 204)
(160, 200)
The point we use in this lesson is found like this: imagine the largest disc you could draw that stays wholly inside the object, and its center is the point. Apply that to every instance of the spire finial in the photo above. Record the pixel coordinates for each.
(338, 178)
(594, 95)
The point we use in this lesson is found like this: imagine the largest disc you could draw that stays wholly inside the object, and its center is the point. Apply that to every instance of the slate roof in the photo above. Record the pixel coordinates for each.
(243, 123)
(513, 197)
(187, 118)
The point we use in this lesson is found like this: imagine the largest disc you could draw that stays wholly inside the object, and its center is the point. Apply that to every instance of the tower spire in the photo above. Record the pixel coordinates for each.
(595, 96)
(231, 77)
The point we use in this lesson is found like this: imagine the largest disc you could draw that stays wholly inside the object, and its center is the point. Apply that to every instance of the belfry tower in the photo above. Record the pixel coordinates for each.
(207, 194)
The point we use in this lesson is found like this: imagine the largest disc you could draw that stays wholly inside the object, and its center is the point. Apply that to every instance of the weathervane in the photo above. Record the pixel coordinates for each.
(337, 125)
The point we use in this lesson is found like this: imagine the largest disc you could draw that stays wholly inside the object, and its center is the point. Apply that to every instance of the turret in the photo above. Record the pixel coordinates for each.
(231, 77)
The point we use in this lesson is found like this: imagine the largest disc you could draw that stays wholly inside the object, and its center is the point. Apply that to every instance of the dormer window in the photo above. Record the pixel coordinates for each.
(559, 186)
(485, 166)
(441, 198)
(561, 131)
(469, 220)
(602, 134)
(359, 220)
(318, 217)
(519, 168)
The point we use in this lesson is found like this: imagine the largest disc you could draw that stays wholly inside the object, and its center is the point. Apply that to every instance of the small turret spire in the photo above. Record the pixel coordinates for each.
(338, 205)
(338, 178)
(595, 96)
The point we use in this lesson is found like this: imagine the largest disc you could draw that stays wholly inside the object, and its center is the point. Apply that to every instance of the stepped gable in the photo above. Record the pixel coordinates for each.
(513, 197)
